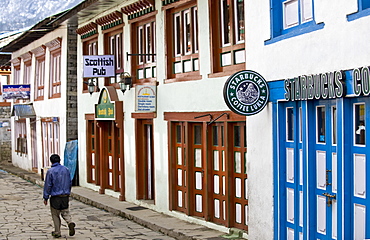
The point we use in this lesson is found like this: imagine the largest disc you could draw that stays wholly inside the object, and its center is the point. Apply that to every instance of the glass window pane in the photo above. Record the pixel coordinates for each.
(178, 133)
(197, 134)
(239, 21)
(236, 136)
(237, 162)
(291, 13)
(225, 20)
(334, 124)
(300, 125)
(222, 136)
(306, 10)
(290, 124)
(360, 124)
(215, 135)
(321, 124)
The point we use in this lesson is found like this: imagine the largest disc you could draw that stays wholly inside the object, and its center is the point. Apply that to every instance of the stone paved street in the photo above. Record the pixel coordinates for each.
(24, 216)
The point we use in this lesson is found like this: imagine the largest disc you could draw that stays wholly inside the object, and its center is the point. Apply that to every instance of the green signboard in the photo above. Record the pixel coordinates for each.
(104, 109)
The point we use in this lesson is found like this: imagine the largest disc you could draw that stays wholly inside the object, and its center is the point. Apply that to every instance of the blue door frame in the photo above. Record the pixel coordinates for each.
(345, 149)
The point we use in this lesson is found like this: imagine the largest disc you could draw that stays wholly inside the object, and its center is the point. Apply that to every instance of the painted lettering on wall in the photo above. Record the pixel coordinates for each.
(361, 81)
(319, 86)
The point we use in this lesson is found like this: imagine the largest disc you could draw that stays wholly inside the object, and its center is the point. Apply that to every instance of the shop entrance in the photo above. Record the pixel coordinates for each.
(104, 155)
(357, 170)
(208, 170)
(324, 151)
(322, 169)
(145, 159)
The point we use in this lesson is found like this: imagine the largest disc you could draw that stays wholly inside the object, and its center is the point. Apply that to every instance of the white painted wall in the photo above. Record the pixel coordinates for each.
(48, 107)
(189, 96)
(340, 45)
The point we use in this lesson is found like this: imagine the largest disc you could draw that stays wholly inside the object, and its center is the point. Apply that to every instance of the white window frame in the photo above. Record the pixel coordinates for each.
(177, 41)
(27, 72)
(303, 11)
(55, 73)
(236, 23)
(51, 143)
(20, 134)
(17, 75)
(40, 77)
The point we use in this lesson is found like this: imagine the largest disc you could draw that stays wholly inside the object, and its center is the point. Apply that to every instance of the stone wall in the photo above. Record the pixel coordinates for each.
(5, 134)
(72, 122)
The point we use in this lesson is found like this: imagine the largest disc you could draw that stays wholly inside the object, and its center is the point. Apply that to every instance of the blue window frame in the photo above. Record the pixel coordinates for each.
(290, 18)
(363, 10)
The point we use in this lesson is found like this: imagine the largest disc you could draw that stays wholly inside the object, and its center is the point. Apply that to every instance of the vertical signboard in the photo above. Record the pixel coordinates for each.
(146, 98)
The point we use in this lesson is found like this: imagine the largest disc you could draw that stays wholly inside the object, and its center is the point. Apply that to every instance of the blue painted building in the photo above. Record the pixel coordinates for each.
(315, 57)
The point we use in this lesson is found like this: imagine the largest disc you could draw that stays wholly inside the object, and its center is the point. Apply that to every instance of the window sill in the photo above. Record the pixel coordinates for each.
(311, 27)
(39, 99)
(359, 14)
(228, 71)
(184, 77)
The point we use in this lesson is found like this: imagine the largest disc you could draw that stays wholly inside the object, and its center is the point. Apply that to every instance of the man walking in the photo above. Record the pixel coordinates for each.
(58, 185)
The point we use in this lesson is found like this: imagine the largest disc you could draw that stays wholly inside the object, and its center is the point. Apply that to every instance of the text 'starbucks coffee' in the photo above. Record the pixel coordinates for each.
(246, 92)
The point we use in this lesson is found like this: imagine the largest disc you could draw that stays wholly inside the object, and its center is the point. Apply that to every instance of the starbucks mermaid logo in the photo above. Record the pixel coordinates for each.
(246, 92)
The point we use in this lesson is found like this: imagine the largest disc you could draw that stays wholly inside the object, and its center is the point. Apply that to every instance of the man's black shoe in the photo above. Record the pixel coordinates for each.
(55, 235)
(71, 227)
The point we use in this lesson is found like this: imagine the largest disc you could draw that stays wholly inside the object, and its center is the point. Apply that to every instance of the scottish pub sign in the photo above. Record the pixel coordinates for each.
(246, 92)
(104, 109)
(98, 66)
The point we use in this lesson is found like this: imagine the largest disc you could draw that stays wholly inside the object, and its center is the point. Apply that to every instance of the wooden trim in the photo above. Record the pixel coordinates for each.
(228, 70)
(55, 44)
(183, 78)
(189, 178)
(39, 51)
(5, 104)
(191, 116)
(171, 165)
(144, 17)
(177, 4)
(114, 30)
(27, 57)
(149, 115)
(16, 62)
(90, 27)
(90, 39)
(109, 18)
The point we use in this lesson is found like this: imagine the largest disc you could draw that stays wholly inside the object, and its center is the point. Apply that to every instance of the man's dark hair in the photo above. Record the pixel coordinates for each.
(54, 158)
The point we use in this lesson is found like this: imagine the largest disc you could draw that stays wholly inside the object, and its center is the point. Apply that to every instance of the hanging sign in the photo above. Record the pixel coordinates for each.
(246, 92)
(104, 109)
(21, 91)
(98, 66)
(146, 98)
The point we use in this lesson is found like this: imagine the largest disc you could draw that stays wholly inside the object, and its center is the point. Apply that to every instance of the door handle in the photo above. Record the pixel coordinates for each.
(330, 198)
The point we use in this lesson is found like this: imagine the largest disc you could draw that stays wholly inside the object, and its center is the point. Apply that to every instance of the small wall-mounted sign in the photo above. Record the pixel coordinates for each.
(104, 109)
(246, 92)
(98, 66)
(146, 98)
(18, 91)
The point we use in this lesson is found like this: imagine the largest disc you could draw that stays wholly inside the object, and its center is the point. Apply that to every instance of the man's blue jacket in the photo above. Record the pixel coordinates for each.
(57, 181)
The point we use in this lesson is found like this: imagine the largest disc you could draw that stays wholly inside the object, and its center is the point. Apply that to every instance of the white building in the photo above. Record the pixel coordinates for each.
(170, 142)
(43, 67)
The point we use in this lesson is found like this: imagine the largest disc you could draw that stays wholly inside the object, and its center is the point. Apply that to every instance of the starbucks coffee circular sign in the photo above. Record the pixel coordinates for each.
(246, 92)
